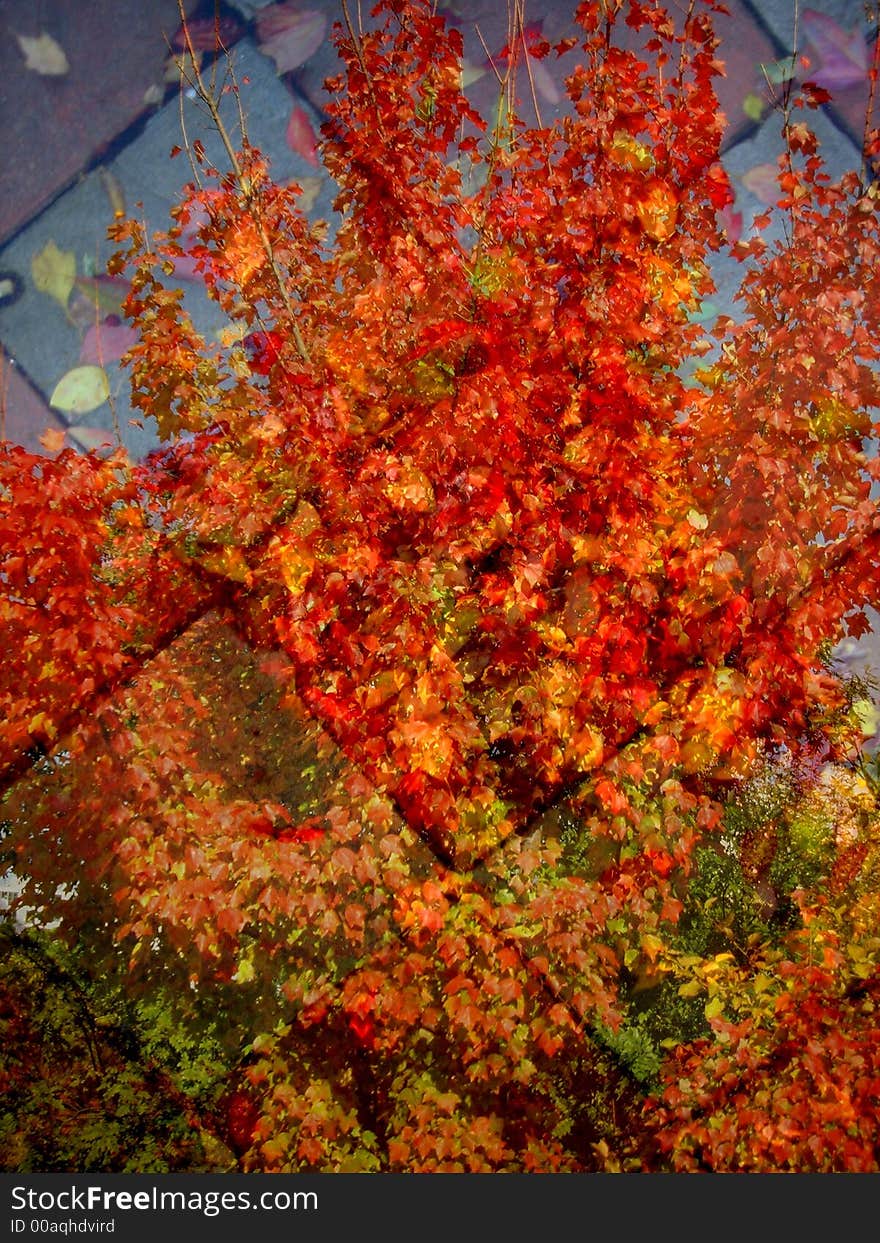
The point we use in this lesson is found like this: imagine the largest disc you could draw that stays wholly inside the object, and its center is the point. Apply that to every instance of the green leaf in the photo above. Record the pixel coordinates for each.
(867, 716)
(81, 390)
(714, 1008)
(54, 272)
(779, 71)
(753, 106)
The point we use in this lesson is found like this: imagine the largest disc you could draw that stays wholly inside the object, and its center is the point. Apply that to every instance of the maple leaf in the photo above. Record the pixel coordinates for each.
(290, 34)
(533, 606)
(843, 54)
(106, 341)
(538, 72)
(53, 439)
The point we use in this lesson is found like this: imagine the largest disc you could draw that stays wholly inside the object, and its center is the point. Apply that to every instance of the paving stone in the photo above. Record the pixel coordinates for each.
(784, 19)
(36, 330)
(789, 26)
(744, 45)
(24, 411)
(54, 127)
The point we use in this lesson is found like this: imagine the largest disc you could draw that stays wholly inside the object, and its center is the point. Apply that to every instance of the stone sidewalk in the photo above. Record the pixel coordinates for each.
(96, 138)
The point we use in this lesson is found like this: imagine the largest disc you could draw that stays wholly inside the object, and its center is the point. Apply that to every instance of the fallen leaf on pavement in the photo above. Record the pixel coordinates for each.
(732, 223)
(301, 137)
(106, 292)
(43, 55)
(107, 341)
(81, 390)
(763, 182)
(53, 439)
(54, 272)
(471, 73)
(753, 106)
(179, 67)
(543, 80)
(844, 53)
(289, 34)
(209, 34)
(311, 188)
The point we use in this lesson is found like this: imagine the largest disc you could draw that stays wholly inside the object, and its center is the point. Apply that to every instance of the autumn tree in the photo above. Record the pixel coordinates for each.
(529, 602)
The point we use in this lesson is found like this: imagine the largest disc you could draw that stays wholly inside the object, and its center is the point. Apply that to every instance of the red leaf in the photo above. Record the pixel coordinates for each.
(263, 349)
(208, 34)
(301, 137)
(844, 54)
(732, 223)
(289, 34)
(107, 341)
(242, 1116)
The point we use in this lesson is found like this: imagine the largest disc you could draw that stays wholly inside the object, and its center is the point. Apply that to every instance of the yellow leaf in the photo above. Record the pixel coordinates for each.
(652, 947)
(229, 562)
(43, 55)
(832, 419)
(81, 390)
(54, 272)
(691, 989)
(311, 188)
(713, 1008)
(658, 210)
(629, 152)
(470, 73)
(296, 567)
(867, 716)
(245, 972)
(180, 66)
(53, 439)
(753, 106)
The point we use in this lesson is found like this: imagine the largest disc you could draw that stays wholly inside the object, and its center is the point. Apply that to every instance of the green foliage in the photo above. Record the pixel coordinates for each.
(92, 1081)
(633, 1045)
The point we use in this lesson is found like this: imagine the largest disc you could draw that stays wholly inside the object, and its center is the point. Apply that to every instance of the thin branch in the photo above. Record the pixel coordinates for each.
(872, 95)
(489, 59)
(520, 18)
(357, 43)
(245, 188)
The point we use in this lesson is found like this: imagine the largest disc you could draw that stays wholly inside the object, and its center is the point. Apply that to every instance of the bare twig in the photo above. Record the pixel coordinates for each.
(873, 73)
(245, 188)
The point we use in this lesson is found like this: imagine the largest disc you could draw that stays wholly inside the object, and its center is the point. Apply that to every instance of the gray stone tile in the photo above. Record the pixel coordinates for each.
(35, 330)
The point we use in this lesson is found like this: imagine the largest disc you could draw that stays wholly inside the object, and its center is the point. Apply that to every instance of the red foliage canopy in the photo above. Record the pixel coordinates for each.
(453, 472)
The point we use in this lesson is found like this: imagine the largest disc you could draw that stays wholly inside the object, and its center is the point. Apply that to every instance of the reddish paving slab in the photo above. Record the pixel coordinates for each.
(54, 126)
(24, 415)
(744, 47)
(848, 110)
